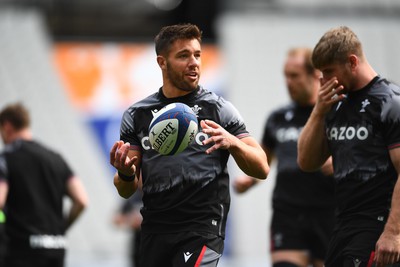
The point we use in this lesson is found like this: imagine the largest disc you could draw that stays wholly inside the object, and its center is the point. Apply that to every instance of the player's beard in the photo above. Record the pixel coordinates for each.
(178, 80)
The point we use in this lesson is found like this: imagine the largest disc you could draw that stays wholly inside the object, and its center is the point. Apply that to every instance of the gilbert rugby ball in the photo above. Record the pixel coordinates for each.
(172, 128)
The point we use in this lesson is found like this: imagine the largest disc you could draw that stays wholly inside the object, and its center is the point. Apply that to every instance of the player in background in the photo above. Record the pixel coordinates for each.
(356, 120)
(33, 183)
(128, 216)
(186, 197)
(303, 203)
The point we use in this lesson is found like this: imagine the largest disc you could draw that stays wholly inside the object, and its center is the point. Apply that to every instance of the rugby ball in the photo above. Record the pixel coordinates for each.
(172, 128)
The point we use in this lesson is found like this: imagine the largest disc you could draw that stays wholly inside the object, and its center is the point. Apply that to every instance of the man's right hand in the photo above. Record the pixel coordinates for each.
(120, 160)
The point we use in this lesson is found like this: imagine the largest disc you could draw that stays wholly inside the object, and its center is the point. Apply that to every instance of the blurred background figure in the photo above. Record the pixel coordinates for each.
(33, 183)
(129, 217)
(303, 212)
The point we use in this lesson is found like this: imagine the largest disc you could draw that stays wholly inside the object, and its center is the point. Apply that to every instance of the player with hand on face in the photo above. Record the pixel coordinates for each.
(303, 202)
(356, 120)
(186, 197)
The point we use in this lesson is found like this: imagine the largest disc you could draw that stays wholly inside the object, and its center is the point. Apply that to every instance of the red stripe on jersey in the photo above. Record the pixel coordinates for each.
(135, 147)
(243, 135)
(203, 250)
(371, 259)
(393, 146)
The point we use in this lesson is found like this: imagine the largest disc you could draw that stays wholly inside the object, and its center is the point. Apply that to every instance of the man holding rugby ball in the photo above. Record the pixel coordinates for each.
(186, 196)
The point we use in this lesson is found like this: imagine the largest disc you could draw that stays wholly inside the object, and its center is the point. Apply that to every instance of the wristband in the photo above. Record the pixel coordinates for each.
(126, 178)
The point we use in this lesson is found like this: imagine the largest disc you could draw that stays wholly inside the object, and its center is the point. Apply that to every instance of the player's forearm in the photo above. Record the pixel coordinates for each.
(79, 198)
(393, 222)
(75, 211)
(125, 189)
(250, 158)
(3, 193)
(312, 144)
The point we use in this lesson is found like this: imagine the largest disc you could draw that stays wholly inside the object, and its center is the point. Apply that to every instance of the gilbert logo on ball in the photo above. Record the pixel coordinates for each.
(173, 128)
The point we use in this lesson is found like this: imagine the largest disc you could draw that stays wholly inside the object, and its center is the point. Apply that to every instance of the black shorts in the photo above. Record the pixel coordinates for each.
(186, 249)
(294, 229)
(354, 245)
(35, 261)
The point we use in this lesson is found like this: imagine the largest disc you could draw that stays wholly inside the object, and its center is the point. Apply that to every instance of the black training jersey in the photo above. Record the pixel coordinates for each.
(361, 129)
(293, 186)
(37, 179)
(188, 191)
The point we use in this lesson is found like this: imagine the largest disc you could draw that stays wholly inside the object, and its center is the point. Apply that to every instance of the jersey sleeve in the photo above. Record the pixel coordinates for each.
(231, 120)
(127, 130)
(268, 138)
(390, 117)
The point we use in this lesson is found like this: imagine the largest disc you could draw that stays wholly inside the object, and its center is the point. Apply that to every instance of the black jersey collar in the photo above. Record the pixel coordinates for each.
(183, 99)
(368, 86)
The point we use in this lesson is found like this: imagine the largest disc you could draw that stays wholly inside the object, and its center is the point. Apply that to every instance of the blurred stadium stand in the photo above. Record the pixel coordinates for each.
(253, 35)
(314, 6)
(123, 20)
(133, 20)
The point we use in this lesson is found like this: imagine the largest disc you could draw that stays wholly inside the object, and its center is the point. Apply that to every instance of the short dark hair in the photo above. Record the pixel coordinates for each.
(169, 34)
(17, 115)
